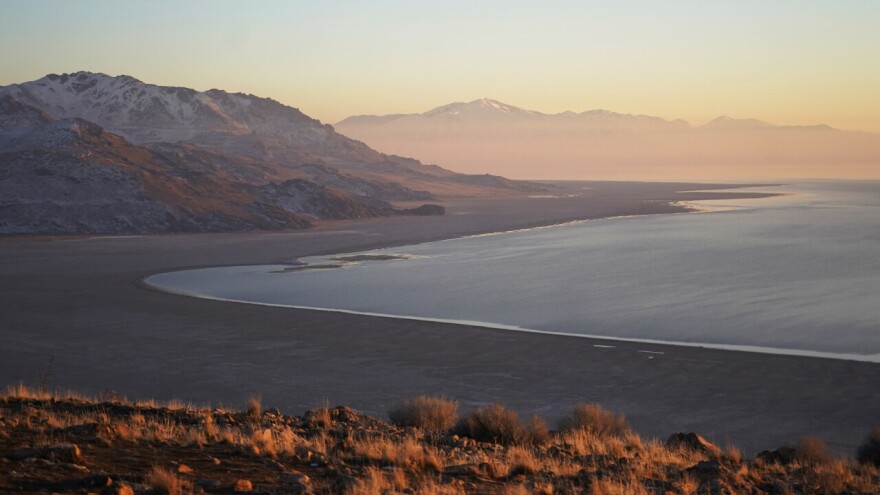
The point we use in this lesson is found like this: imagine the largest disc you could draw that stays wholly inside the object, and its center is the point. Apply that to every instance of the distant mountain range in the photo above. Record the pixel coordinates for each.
(91, 153)
(488, 135)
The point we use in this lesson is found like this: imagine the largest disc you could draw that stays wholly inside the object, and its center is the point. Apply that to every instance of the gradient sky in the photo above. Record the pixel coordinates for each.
(784, 61)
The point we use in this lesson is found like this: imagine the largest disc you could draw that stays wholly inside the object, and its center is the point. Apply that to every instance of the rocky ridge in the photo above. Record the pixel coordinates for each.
(91, 153)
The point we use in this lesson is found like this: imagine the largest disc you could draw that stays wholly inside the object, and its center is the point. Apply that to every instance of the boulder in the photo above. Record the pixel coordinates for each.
(782, 455)
(62, 452)
(243, 486)
(693, 442)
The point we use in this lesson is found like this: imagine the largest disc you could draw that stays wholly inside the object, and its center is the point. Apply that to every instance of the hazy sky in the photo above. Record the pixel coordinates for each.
(784, 61)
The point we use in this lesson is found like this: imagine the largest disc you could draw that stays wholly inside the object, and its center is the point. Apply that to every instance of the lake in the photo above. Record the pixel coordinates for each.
(797, 273)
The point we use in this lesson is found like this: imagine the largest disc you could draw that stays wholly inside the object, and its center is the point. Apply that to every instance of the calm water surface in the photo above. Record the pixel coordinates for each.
(798, 273)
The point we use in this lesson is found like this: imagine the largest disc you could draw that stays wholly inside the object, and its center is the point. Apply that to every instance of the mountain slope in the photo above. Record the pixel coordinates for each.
(71, 176)
(91, 153)
(289, 142)
(599, 144)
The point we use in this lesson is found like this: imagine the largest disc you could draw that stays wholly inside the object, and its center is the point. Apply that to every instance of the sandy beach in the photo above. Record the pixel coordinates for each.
(78, 304)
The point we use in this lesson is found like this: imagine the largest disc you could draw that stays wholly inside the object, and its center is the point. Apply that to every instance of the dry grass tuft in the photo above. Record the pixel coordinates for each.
(254, 407)
(611, 487)
(733, 454)
(432, 414)
(165, 482)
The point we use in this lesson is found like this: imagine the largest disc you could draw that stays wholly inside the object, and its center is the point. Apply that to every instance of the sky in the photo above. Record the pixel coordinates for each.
(783, 61)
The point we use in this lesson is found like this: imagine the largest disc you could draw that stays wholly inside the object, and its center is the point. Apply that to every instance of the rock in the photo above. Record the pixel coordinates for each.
(694, 442)
(243, 486)
(297, 482)
(209, 483)
(118, 488)
(62, 452)
(22, 454)
(85, 429)
(466, 470)
(76, 467)
(317, 459)
(782, 455)
(424, 210)
(98, 481)
(703, 469)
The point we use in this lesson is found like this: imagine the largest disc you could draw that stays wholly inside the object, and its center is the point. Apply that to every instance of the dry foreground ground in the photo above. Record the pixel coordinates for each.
(109, 445)
(73, 315)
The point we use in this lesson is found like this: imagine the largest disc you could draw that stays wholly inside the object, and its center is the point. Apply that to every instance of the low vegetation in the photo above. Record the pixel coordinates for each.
(432, 414)
(65, 443)
(594, 418)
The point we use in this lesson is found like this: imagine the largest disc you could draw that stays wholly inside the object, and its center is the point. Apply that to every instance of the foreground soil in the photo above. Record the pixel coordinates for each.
(71, 444)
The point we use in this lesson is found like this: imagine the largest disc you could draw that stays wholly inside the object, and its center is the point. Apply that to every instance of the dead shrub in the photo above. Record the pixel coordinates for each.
(812, 451)
(433, 414)
(869, 451)
(596, 419)
(497, 423)
(536, 431)
(165, 481)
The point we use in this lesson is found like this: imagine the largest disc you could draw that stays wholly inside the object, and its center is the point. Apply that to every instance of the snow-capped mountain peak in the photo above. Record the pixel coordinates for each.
(146, 113)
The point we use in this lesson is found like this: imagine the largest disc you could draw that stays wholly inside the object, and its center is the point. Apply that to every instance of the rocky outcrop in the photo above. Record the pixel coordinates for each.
(694, 443)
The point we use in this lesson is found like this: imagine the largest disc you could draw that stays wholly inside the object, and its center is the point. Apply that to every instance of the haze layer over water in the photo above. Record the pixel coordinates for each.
(795, 273)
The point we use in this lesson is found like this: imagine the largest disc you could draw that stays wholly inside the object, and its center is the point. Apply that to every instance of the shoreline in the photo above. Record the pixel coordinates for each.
(78, 300)
(859, 358)
(692, 208)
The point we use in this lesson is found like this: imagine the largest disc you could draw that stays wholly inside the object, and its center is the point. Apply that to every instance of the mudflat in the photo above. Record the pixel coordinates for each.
(73, 313)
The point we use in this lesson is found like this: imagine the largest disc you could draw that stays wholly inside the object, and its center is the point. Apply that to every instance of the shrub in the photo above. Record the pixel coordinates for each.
(869, 451)
(536, 431)
(812, 451)
(165, 481)
(497, 423)
(428, 413)
(596, 419)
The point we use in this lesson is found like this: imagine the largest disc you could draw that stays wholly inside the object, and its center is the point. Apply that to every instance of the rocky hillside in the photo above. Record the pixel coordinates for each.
(69, 444)
(91, 153)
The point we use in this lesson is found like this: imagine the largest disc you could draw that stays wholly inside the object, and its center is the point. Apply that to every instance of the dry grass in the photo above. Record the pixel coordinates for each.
(404, 453)
(432, 414)
(374, 481)
(164, 481)
(733, 454)
(687, 485)
(611, 487)
(254, 407)
(595, 452)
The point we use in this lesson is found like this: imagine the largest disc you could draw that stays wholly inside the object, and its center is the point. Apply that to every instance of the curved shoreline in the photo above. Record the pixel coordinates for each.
(693, 208)
(862, 358)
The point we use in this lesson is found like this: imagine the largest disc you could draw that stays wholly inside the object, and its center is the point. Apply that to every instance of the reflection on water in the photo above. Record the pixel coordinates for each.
(798, 272)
